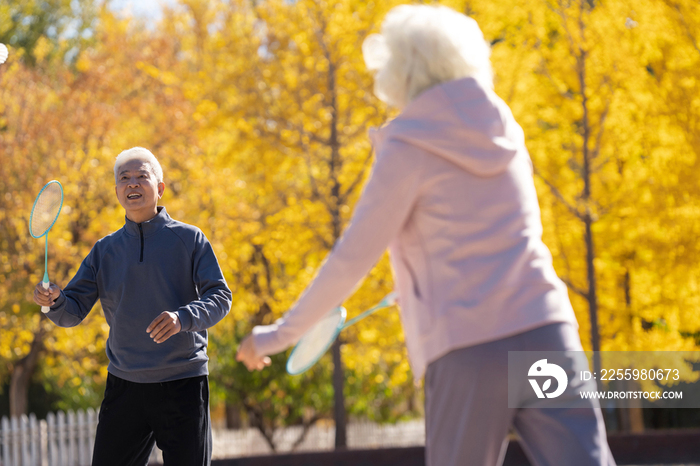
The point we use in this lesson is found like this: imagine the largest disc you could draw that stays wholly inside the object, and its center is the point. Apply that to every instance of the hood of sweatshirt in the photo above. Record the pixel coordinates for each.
(460, 121)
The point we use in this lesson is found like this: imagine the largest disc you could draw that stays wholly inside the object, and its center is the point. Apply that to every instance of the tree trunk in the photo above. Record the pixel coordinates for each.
(592, 298)
(631, 416)
(341, 437)
(233, 416)
(335, 163)
(22, 373)
(588, 217)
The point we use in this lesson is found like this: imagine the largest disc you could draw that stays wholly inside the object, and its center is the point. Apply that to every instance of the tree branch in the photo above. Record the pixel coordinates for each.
(306, 426)
(574, 288)
(559, 196)
(686, 28)
(358, 178)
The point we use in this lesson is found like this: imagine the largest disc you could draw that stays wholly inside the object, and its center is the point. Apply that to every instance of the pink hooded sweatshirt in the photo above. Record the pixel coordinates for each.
(452, 196)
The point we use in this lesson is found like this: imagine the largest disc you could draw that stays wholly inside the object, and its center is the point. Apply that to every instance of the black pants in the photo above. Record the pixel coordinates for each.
(135, 416)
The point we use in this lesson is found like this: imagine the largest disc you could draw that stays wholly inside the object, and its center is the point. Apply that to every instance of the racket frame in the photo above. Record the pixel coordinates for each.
(45, 234)
(388, 300)
(338, 328)
(31, 216)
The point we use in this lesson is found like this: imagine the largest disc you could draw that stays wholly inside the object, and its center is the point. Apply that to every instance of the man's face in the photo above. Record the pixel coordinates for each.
(138, 190)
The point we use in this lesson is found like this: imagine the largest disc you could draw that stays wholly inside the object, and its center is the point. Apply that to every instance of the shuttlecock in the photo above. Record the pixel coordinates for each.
(3, 53)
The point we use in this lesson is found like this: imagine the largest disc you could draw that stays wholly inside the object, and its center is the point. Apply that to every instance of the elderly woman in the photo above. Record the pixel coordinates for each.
(452, 197)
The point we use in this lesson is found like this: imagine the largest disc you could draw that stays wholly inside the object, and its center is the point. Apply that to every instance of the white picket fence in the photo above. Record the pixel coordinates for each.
(321, 437)
(66, 439)
(63, 439)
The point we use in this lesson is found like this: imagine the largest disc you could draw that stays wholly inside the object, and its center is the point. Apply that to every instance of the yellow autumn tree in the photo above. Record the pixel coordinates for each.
(580, 78)
(69, 123)
(259, 111)
(604, 93)
(577, 75)
(287, 103)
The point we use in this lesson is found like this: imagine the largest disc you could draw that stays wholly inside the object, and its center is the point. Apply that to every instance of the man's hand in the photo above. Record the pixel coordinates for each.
(46, 297)
(164, 326)
(246, 354)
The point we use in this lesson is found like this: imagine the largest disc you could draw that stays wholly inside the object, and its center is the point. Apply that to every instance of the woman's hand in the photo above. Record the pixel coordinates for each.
(247, 355)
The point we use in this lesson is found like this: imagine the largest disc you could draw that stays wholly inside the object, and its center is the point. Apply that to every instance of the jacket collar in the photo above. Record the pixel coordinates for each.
(460, 121)
(426, 105)
(149, 227)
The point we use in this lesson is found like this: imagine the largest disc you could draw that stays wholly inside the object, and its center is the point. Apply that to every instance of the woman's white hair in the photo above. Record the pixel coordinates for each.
(421, 46)
(139, 153)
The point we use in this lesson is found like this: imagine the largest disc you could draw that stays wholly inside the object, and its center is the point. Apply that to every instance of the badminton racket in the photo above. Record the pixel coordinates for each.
(45, 212)
(321, 336)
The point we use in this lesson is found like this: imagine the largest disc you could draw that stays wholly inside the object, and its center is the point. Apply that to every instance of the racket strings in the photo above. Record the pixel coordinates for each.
(315, 343)
(46, 209)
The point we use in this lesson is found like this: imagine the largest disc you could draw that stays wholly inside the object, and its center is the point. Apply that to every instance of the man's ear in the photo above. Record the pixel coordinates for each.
(161, 189)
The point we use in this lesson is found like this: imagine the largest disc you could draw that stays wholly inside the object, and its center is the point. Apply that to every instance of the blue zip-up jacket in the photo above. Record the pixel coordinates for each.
(137, 273)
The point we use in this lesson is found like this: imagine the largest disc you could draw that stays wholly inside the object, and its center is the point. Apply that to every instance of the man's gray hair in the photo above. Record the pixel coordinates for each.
(139, 153)
(421, 46)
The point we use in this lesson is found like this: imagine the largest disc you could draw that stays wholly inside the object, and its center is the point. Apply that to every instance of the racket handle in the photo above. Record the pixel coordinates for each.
(45, 309)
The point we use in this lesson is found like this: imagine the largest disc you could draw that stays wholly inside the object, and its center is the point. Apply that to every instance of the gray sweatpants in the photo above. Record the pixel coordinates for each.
(468, 418)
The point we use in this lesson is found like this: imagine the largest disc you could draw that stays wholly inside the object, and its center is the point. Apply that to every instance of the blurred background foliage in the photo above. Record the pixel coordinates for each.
(259, 111)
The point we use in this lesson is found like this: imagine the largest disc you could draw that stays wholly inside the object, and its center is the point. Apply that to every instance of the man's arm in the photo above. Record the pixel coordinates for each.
(73, 303)
(214, 295)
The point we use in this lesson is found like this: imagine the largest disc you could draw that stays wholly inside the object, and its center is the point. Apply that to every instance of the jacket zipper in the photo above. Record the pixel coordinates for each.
(141, 234)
